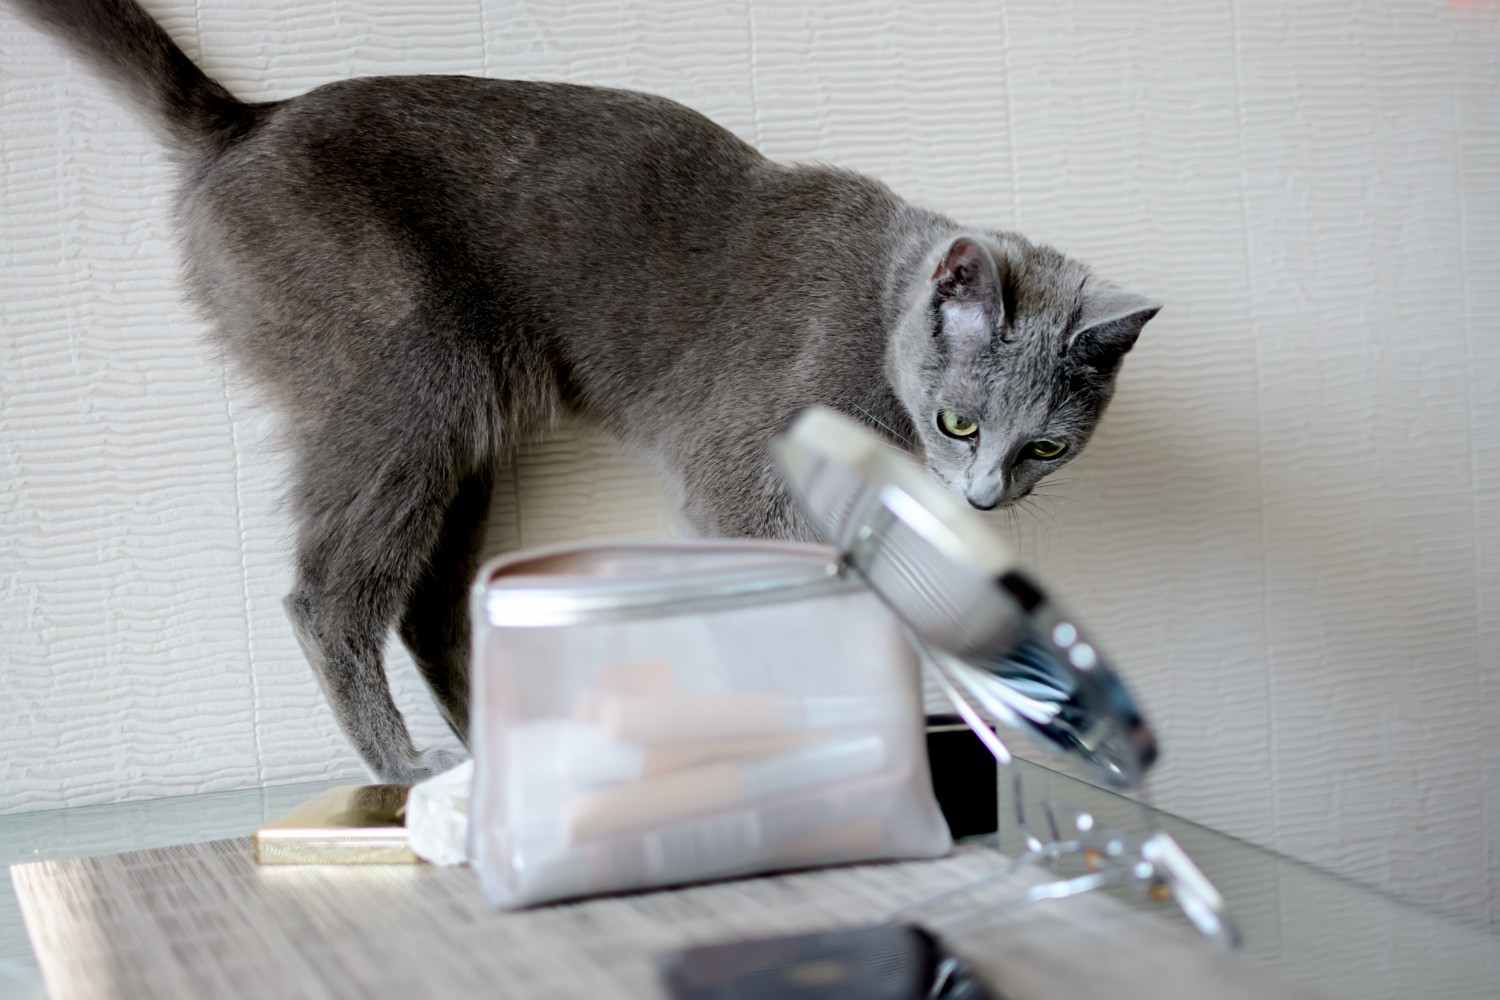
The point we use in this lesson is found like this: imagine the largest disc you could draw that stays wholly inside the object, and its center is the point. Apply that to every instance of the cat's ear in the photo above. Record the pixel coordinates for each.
(966, 291)
(1109, 322)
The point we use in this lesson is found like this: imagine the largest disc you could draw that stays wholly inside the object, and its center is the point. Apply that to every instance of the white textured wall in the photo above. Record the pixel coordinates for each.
(1289, 527)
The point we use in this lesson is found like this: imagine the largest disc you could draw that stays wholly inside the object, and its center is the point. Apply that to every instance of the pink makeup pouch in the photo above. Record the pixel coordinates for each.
(655, 713)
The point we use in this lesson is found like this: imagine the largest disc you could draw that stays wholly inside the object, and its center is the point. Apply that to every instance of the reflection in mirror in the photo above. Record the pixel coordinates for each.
(1038, 688)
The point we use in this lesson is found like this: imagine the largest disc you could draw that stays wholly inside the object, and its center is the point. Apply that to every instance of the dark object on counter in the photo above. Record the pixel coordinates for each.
(884, 962)
(965, 778)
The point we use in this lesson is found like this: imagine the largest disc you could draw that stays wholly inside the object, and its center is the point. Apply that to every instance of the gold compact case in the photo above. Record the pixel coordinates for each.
(348, 825)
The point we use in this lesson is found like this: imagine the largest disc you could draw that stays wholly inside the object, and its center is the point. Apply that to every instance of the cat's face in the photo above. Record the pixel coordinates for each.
(1005, 362)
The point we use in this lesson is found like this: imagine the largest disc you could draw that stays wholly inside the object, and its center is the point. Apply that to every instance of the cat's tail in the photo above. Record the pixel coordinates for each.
(125, 44)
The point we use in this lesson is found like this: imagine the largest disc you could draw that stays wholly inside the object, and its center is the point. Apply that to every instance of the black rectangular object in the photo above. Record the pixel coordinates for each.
(883, 962)
(965, 778)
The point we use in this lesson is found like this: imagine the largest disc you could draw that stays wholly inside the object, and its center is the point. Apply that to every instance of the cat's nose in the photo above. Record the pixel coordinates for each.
(982, 506)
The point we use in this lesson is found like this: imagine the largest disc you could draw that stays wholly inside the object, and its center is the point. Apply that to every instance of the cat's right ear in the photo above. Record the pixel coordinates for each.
(1109, 321)
(966, 293)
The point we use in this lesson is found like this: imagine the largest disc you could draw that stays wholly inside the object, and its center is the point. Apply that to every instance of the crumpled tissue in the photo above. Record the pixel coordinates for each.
(437, 816)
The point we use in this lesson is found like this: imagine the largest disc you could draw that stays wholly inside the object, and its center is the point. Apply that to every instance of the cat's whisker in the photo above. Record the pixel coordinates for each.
(1036, 511)
(884, 426)
(1014, 523)
(1058, 497)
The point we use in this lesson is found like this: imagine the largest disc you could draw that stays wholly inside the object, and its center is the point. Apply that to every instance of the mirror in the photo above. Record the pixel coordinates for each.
(978, 616)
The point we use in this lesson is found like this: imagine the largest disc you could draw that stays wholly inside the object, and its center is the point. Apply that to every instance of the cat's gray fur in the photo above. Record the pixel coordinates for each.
(422, 271)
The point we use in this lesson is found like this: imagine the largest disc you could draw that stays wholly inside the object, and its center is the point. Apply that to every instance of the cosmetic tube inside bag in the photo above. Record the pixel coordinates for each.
(649, 714)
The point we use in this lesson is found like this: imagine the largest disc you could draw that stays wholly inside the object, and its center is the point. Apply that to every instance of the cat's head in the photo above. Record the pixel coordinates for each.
(1005, 360)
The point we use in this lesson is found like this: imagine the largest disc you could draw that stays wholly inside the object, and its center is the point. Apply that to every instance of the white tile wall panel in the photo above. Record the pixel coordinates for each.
(1289, 527)
(1477, 138)
(118, 455)
(696, 53)
(1127, 148)
(923, 109)
(1353, 219)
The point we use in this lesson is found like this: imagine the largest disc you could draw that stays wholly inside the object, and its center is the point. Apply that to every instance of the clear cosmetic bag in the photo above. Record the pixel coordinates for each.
(650, 714)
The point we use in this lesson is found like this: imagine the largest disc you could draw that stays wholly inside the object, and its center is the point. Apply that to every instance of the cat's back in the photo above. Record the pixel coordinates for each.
(363, 184)
(443, 141)
(516, 212)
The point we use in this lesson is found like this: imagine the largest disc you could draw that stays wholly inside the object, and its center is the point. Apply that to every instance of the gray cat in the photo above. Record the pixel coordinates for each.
(422, 271)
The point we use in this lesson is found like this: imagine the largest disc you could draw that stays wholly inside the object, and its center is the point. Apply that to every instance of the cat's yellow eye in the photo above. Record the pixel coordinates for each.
(957, 426)
(1047, 449)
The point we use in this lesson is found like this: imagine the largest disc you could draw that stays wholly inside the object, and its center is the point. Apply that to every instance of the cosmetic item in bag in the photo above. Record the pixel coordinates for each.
(965, 780)
(649, 714)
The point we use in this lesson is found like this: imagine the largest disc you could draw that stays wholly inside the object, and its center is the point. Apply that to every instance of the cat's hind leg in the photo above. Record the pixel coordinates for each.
(435, 620)
(378, 469)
